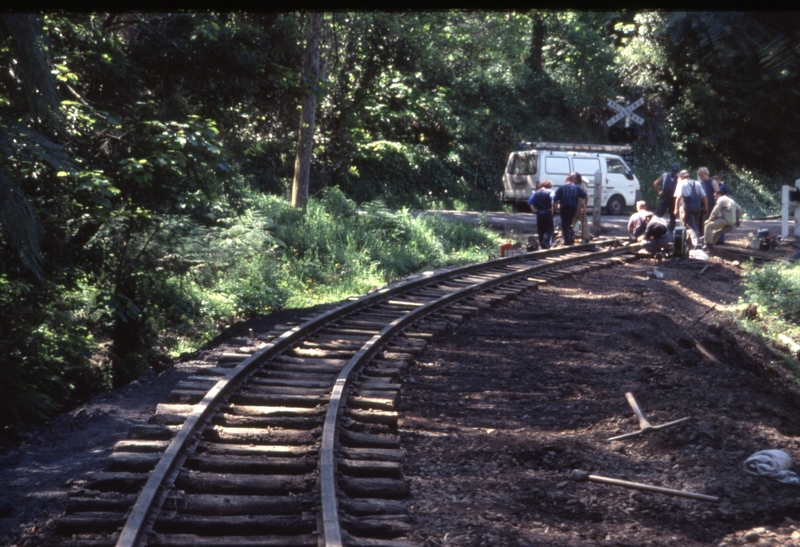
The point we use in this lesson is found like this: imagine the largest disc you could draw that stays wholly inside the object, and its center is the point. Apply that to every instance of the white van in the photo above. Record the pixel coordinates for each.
(554, 161)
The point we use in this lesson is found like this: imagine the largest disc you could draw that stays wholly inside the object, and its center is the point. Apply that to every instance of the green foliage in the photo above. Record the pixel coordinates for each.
(772, 304)
(775, 288)
(46, 351)
(338, 250)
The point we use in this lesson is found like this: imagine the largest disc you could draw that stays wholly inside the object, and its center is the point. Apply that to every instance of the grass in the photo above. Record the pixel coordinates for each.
(771, 306)
(276, 257)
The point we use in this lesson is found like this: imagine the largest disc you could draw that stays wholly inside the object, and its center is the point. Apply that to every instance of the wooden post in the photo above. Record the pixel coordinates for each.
(598, 198)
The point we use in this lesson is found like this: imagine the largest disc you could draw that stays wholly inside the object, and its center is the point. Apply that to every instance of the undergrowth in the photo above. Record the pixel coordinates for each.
(202, 277)
(771, 304)
(276, 257)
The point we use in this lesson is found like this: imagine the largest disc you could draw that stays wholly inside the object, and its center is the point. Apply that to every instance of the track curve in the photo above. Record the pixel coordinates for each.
(294, 444)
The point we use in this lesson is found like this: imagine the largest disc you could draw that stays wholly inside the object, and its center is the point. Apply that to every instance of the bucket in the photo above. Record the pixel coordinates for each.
(505, 247)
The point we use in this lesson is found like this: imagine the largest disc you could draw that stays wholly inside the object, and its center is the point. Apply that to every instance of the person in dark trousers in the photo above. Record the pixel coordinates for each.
(657, 235)
(691, 203)
(710, 187)
(665, 186)
(577, 180)
(541, 203)
(566, 197)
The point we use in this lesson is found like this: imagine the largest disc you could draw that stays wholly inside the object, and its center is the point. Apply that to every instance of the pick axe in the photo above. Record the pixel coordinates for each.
(644, 425)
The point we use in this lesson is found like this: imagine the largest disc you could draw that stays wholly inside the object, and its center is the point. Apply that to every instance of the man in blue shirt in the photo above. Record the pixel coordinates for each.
(665, 186)
(540, 203)
(567, 197)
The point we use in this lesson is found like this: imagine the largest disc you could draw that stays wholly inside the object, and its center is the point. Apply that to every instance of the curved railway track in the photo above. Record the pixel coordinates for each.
(293, 442)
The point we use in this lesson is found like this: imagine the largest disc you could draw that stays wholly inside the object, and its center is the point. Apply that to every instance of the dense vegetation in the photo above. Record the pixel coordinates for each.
(147, 159)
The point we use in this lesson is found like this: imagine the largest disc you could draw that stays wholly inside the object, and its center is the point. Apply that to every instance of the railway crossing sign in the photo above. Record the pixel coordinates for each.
(626, 112)
(626, 134)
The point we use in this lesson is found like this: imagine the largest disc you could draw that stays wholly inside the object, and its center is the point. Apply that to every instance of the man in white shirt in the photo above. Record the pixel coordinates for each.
(637, 222)
(691, 203)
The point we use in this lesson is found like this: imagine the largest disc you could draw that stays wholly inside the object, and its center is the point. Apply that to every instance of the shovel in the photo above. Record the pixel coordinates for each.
(644, 425)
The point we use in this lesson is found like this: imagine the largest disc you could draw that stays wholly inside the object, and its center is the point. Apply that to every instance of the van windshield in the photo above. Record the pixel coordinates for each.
(616, 165)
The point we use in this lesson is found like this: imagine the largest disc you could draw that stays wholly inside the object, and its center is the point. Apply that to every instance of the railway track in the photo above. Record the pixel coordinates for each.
(291, 440)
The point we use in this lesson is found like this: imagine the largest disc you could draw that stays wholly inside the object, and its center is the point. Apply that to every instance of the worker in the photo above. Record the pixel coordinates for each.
(657, 236)
(541, 202)
(691, 202)
(637, 222)
(725, 215)
(582, 204)
(665, 186)
(566, 197)
(710, 187)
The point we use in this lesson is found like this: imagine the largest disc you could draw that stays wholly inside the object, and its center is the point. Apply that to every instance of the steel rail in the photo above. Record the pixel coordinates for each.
(154, 491)
(327, 463)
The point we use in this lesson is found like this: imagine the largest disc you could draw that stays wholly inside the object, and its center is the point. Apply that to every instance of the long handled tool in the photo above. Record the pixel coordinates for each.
(644, 425)
(579, 475)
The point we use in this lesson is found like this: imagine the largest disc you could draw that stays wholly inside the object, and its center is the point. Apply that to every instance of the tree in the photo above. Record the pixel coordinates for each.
(534, 60)
(305, 140)
(720, 84)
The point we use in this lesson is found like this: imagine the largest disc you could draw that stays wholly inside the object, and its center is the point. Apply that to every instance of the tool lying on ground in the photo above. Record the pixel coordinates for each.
(644, 425)
(579, 475)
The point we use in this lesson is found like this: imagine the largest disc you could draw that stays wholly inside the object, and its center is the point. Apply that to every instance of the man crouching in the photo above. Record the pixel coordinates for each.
(657, 236)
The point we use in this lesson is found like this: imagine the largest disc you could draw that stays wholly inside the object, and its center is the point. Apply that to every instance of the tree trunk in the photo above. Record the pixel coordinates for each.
(29, 42)
(302, 164)
(537, 43)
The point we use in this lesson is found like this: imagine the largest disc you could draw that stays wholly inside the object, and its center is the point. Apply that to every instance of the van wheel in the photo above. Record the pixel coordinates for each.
(615, 205)
(522, 207)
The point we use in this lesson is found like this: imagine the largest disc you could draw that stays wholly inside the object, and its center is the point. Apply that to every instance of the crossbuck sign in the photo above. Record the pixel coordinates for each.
(626, 112)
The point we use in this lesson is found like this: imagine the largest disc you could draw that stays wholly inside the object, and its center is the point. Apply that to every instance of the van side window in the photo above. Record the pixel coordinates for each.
(587, 167)
(617, 166)
(557, 166)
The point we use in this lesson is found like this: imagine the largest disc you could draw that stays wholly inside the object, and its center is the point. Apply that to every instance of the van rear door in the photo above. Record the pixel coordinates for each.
(520, 176)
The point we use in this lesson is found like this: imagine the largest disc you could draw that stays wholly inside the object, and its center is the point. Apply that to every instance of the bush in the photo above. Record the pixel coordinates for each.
(45, 355)
(775, 288)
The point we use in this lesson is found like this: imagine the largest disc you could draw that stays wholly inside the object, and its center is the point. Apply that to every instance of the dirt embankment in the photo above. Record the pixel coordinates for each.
(497, 416)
